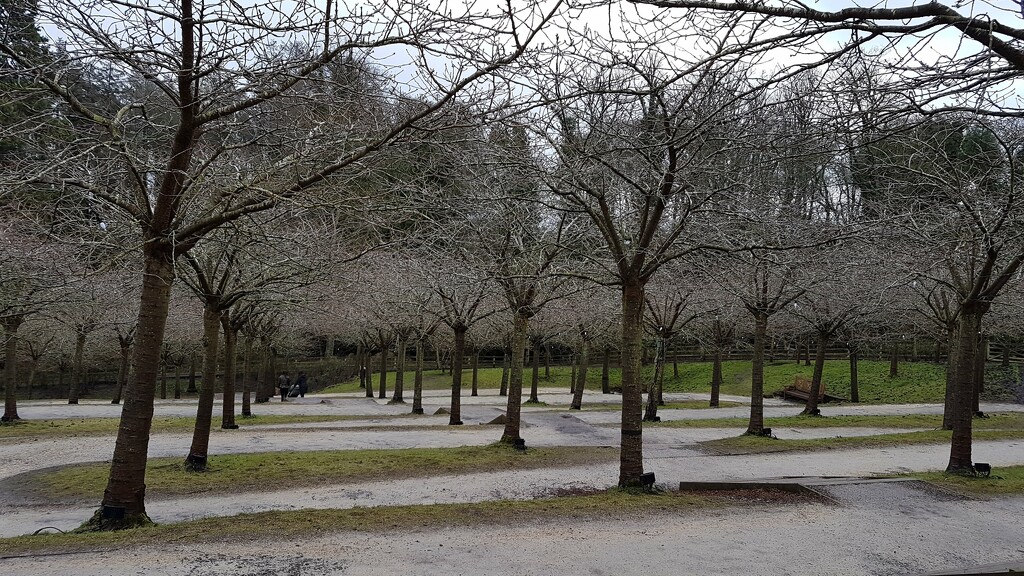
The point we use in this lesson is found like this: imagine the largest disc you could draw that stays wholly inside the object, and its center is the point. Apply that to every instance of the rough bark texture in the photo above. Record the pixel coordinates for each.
(581, 375)
(631, 465)
(606, 370)
(535, 382)
(77, 369)
(230, 344)
(854, 381)
(476, 373)
(947, 412)
(716, 377)
(756, 424)
(246, 378)
(455, 418)
(122, 371)
(819, 366)
(505, 366)
(361, 361)
(11, 325)
(382, 382)
(126, 485)
(397, 397)
(197, 454)
(971, 314)
(417, 380)
(894, 360)
(192, 375)
(651, 412)
(513, 411)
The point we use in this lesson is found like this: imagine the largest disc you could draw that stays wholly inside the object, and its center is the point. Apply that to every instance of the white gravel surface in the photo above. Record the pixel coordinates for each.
(880, 531)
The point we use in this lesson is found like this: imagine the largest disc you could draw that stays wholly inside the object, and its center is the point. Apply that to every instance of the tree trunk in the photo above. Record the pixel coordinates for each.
(979, 374)
(476, 368)
(177, 380)
(854, 382)
(227, 420)
(11, 325)
(716, 377)
(197, 454)
(455, 417)
(951, 359)
(675, 363)
(756, 424)
(631, 453)
(651, 413)
(811, 407)
(397, 395)
(192, 375)
(606, 371)
(534, 384)
(971, 314)
(382, 382)
(122, 371)
(547, 362)
(124, 499)
(32, 369)
(894, 360)
(361, 361)
(1004, 360)
(807, 351)
(417, 380)
(513, 406)
(581, 375)
(506, 360)
(367, 374)
(76, 370)
(163, 376)
(572, 374)
(913, 348)
(246, 378)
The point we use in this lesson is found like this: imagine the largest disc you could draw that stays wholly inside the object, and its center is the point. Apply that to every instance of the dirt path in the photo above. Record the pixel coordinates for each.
(806, 539)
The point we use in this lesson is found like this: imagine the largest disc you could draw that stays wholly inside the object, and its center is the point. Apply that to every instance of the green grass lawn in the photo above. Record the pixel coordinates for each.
(1009, 421)
(70, 427)
(761, 445)
(247, 472)
(1008, 480)
(917, 381)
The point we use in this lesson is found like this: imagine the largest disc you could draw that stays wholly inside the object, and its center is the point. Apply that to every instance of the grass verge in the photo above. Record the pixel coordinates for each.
(1004, 481)
(70, 427)
(760, 445)
(278, 526)
(1009, 421)
(251, 472)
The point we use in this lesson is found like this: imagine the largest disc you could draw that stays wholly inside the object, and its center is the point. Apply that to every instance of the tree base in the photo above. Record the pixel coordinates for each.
(575, 407)
(812, 412)
(961, 470)
(417, 410)
(195, 463)
(110, 518)
(396, 401)
(456, 423)
(72, 401)
(652, 419)
(229, 426)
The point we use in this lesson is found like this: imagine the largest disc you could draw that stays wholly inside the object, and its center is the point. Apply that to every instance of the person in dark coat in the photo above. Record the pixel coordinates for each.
(303, 386)
(283, 384)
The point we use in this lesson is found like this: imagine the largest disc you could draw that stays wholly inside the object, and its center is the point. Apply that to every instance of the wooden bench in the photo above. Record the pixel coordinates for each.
(801, 390)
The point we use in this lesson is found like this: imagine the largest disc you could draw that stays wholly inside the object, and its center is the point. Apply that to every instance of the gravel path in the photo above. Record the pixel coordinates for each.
(878, 530)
